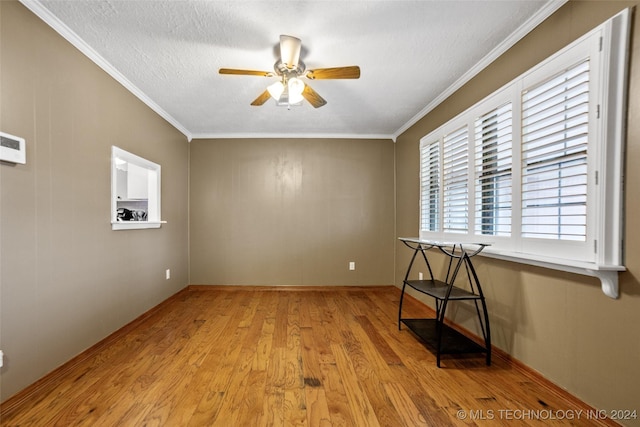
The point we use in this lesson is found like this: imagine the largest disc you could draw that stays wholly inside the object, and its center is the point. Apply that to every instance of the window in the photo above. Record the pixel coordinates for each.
(135, 191)
(536, 168)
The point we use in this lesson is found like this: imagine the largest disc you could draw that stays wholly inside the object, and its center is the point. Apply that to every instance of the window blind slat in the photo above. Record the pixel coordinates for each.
(570, 77)
(537, 108)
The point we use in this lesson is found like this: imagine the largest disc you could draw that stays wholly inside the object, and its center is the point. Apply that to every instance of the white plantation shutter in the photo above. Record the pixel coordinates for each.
(493, 162)
(455, 169)
(430, 186)
(555, 118)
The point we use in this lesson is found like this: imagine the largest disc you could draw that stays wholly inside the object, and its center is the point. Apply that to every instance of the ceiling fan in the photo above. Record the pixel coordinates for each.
(290, 89)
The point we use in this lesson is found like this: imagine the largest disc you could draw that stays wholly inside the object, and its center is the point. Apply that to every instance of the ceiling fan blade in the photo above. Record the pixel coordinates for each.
(236, 72)
(312, 96)
(351, 72)
(290, 51)
(264, 96)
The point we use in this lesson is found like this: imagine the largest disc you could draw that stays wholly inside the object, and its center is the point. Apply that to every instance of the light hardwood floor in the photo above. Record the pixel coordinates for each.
(239, 356)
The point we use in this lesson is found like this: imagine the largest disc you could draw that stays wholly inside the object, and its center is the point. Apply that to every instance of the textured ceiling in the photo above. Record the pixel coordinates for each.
(411, 53)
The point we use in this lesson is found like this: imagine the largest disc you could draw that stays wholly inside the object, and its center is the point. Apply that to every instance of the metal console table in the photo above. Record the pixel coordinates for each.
(434, 332)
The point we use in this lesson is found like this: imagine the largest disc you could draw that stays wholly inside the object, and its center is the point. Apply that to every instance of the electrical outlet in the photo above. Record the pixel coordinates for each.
(420, 275)
(168, 274)
(352, 265)
(1, 359)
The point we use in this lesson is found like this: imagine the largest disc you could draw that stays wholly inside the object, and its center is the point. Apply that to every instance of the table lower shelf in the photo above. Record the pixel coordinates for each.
(453, 342)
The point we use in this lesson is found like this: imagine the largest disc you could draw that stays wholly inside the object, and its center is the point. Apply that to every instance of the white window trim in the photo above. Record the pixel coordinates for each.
(606, 219)
(154, 220)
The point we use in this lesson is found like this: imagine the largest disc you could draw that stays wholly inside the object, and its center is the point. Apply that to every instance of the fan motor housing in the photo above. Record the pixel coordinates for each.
(281, 69)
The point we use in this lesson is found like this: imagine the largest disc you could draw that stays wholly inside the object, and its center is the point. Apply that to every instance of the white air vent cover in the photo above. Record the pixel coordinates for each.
(12, 148)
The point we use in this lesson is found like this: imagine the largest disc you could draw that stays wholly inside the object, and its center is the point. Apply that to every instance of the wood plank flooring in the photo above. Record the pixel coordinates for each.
(241, 356)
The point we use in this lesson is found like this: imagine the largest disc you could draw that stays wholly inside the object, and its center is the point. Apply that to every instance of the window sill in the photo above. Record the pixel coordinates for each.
(608, 274)
(135, 225)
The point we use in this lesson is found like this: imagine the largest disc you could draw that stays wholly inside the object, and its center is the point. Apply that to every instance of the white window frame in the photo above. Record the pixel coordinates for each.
(601, 252)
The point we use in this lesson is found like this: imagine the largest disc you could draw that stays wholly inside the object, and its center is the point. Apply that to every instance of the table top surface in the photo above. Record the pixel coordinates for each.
(441, 243)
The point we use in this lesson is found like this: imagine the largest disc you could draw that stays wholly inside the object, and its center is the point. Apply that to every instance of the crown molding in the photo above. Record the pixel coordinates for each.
(290, 136)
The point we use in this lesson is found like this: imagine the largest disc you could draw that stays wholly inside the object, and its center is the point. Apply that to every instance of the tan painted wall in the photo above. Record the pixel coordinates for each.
(292, 212)
(557, 323)
(67, 280)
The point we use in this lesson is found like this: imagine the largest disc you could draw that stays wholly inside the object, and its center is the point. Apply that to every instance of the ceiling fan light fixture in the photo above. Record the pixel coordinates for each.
(275, 90)
(295, 87)
(286, 101)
